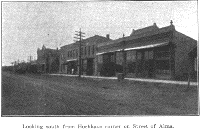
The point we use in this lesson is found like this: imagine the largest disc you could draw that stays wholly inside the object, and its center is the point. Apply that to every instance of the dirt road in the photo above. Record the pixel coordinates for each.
(54, 95)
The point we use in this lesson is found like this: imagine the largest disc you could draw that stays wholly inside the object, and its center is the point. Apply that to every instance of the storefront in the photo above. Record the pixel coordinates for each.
(88, 66)
(70, 67)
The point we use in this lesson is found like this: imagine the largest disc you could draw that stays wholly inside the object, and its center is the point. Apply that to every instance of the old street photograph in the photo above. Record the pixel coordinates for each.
(113, 58)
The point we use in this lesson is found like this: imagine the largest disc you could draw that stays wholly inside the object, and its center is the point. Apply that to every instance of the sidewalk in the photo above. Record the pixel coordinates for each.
(136, 79)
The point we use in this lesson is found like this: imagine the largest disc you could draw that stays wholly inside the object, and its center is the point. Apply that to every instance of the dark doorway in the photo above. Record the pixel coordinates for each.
(90, 65)
(140, 64)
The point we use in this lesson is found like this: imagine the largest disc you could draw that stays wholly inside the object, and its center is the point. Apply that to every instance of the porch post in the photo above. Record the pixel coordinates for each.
(171, 61)
(154, 62)
(136, 69)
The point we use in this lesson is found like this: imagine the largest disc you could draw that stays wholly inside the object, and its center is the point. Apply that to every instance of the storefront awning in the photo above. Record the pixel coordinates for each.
(71, 60)
(108, 52)
(136, 48)
(147, 46)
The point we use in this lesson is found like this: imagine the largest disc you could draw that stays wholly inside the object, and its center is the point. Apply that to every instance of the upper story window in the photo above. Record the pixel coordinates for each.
(76, 52)
(92, 49)
(88, 50)
(85, 51)
(82, 51)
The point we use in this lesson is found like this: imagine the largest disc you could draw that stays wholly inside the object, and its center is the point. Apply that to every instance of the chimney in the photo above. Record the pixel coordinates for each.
(171, 22)
(132, 32)
(108, 36)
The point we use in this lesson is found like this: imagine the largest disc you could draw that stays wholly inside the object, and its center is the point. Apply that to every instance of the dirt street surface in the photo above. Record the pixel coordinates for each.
(59, 95)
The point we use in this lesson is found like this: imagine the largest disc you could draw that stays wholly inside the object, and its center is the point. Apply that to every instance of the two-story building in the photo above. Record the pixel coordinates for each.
(70, 55)
(47, 60)
(150, 52)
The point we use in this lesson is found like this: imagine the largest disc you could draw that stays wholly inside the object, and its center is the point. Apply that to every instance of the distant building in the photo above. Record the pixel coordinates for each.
(150, 52)
(48, 60)
(70, 55)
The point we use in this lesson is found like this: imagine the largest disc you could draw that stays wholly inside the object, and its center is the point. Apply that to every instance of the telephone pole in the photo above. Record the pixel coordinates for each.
(79, 37)
(124, 57)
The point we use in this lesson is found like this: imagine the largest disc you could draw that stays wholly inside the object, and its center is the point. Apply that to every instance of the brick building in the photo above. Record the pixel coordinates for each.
(70, 55)
(47, 60)
(150, 52)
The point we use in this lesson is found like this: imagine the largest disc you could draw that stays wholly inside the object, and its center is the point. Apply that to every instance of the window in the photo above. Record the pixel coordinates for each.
(131, 55)
(139, 55)
(131, 61)
(162, 53)
(100, 59)
(68, 54)
(76, 52)
(72, 53)
(112, 58)
(84, 65)
(82, 51)
(93, 49)
(195, 64)
(119, 58)
(85, 51)
(148, 55)
(88, 50)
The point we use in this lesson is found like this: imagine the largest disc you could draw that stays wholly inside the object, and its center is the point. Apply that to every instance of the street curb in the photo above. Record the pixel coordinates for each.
(136, 79)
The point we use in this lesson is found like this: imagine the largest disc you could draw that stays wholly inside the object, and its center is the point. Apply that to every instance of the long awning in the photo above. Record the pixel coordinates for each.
(147, 46)
(137, 48)
(108, 52)
(71, 60)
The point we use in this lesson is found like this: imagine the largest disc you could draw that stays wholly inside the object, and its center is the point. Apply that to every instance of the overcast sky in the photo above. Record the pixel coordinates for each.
(27, 26)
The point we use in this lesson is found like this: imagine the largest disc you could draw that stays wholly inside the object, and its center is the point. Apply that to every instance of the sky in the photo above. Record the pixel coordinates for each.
(27, 26)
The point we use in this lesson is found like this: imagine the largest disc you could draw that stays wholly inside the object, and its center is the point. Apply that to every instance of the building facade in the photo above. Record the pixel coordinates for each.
(48, 60)
(150, 52)
(70, 55)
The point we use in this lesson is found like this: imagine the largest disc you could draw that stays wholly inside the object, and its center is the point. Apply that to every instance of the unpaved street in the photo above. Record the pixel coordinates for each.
(56, 95)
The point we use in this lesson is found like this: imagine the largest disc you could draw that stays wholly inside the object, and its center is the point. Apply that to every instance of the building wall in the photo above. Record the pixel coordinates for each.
(184, 45)
(88, 51)
(49, 59)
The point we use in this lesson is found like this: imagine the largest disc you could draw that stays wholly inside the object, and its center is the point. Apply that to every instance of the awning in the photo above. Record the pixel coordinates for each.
(71, 60)
(147, 46)
(108, 52)
(136, 48)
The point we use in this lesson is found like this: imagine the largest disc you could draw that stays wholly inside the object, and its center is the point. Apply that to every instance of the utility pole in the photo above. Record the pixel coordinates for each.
(79, 36)
(124, 58)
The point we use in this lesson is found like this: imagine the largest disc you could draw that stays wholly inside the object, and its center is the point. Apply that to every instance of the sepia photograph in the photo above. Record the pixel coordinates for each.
(99, 58)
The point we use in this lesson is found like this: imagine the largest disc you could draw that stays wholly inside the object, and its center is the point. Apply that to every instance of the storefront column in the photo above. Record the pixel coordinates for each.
(172, 61)
(95, 65)
(154, 62)
(136, 69)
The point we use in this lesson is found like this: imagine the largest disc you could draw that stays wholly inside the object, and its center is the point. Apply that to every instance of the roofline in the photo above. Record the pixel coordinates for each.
(185, 35)
(86, 39)
(131, 37)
